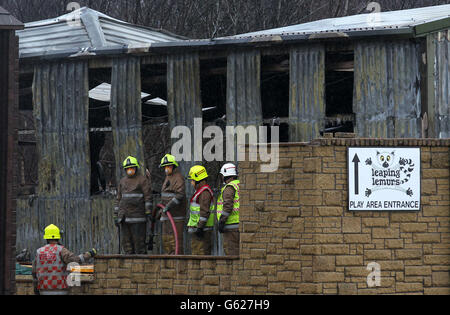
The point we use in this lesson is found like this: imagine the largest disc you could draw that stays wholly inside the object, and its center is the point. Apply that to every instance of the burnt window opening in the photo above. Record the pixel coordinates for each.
(26, 92)
(213, 91)
(275, 94)
(27, 157)
(155, 126)
(101, 147)
(154, 90)
(339, 81)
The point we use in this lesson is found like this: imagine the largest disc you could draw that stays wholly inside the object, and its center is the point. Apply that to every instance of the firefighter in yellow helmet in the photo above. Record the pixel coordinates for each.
(201, 220)
(50, 264)
(133, 208)
(173, 196)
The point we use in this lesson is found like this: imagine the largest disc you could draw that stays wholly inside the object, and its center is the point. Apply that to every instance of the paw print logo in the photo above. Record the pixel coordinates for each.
(409, 192)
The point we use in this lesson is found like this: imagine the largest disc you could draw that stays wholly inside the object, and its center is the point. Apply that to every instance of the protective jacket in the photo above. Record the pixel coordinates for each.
(50, 267)
(134, 199)
(228, 205)
(173, 195)
(201, 209)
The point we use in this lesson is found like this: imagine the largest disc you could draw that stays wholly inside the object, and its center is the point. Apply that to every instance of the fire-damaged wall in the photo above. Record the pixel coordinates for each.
(298, 237)
(387, 93)
(384, 100)
(440, 85)
(60, 92)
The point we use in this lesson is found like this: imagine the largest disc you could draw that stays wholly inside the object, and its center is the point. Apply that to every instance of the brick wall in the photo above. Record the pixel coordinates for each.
(298, 237)
(313, 244)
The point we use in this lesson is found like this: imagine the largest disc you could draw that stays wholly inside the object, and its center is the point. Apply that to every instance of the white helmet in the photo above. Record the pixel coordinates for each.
(229, 170)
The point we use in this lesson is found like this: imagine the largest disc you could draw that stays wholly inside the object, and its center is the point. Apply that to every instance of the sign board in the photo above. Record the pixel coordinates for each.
(383, 179)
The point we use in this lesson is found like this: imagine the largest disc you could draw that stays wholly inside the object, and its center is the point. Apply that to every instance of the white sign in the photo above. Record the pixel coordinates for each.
(381, 179)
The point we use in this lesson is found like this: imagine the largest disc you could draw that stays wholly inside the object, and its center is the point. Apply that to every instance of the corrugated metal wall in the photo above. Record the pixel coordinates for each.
(387, 100)
(307, 92)
(442, 84)
(244, 105)
(126, 111)
(60, 96)
(184, 99)
(183, 93)
(29, 229)
(184, 105)
(104, 233)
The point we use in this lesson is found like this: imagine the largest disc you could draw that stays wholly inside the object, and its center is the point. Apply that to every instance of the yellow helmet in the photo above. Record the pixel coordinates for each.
(198, 173)
(52, 233)
(168, 160)
(130, 162)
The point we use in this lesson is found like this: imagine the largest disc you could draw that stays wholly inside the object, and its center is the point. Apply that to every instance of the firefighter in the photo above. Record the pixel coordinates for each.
(50, 264)
(173, 196)
(228, 206)
(133, 208)
(201, 221)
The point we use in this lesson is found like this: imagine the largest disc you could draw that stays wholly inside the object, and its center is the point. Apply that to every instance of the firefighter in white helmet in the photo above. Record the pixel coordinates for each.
(228, 207)
(50, 264)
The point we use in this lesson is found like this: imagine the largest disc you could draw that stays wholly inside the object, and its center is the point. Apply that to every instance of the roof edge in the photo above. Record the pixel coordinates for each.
(218, 43)
(431, 27)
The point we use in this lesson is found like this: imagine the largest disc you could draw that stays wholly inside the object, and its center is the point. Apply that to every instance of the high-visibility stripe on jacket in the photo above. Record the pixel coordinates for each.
(195, 209)
(234, 216)
(50, 269)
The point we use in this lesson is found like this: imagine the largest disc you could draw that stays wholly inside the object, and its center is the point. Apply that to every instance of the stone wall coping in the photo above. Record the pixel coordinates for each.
(405, 142)
(165, 257)
(84, 278)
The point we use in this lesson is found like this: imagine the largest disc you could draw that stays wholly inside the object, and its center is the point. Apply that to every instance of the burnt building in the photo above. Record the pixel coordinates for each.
(8, 137)
(383, 75)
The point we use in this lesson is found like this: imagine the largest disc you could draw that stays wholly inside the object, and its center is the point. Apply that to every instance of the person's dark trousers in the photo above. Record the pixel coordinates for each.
(133, 238)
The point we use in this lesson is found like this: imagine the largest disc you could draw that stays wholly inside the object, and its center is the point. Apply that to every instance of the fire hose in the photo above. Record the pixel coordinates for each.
(175, 232)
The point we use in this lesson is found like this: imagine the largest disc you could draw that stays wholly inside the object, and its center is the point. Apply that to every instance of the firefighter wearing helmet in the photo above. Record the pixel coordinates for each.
(50, 264)
(228, 206)
(201, 220)
(173, 196)
(133, 208)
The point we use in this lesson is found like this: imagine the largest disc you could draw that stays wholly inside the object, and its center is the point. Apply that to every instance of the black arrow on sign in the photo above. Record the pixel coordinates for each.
(356, 161)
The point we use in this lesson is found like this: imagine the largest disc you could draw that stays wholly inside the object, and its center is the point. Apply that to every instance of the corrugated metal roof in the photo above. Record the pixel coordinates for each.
(103, 93)
(110, 36)
(94, 30)
(403, 19)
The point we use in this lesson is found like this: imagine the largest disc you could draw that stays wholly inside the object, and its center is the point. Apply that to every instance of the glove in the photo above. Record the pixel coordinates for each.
(92, 252)
(158, 213)
(172, 203)
(166, 209)
(35, 288)
(200, 233)
(222, 226)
